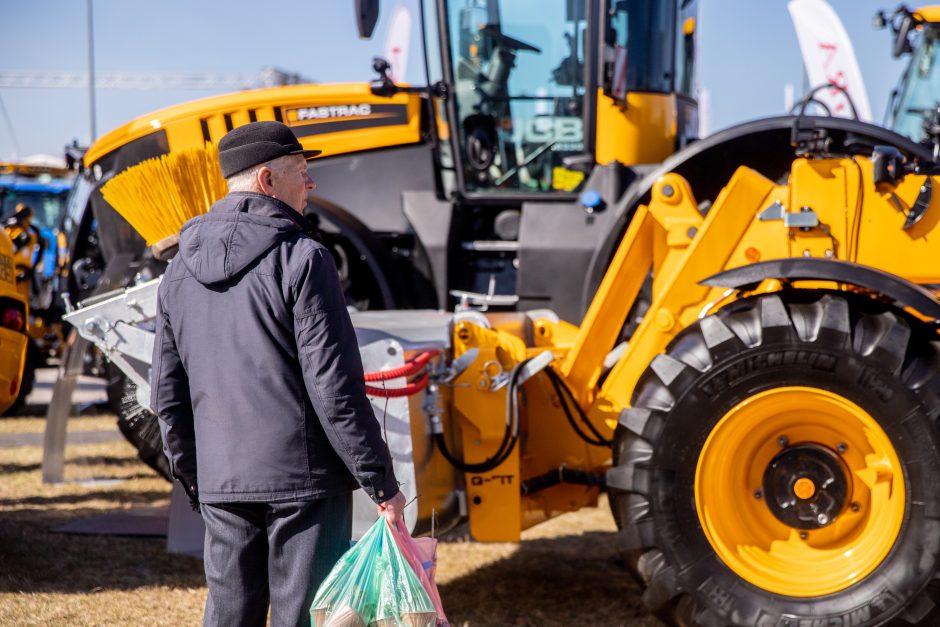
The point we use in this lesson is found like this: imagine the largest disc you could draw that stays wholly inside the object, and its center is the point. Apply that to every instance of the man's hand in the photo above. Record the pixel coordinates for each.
(192, 491)
(394, 508)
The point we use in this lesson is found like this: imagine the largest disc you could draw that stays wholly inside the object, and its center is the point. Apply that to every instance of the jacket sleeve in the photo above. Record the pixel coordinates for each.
(332, 371)
(170, 400)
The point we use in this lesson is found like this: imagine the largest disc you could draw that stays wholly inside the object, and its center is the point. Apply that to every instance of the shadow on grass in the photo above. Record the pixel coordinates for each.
(566, 580)
(562, 581)
(126, 496)
(97, 408)
(34, 559)
(32, 411)
(108, 460)
(90, 460)
(8, 469)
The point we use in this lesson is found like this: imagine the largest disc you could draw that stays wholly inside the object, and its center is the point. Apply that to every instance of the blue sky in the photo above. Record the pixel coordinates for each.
(747, 52)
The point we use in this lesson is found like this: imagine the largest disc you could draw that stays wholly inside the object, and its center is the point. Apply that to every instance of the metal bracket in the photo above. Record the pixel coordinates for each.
(460, 364)
(773, 212)
(116, 322)
(535, 366)
(469, 300)
(919, 208)
(805, 219)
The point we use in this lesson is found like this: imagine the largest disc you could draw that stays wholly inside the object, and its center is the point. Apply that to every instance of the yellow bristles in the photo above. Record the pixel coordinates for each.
(158, 195)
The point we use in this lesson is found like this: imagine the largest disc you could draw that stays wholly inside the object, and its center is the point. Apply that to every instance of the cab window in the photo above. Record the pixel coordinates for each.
(519, 87)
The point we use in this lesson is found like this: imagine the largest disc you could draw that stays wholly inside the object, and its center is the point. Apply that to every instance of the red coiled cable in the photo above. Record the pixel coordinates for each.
(412, 388)
(406, 370)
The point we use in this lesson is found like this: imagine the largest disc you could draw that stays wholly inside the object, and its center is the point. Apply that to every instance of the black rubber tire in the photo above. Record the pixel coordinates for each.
(139, 425)
(824, 340)
(115, 384)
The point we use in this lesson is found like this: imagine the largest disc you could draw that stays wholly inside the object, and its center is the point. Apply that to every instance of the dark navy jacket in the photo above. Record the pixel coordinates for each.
(257, 379)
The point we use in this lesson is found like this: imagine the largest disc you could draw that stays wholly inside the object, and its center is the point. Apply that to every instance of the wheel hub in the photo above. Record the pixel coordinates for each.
(789, 461)
(806, 486)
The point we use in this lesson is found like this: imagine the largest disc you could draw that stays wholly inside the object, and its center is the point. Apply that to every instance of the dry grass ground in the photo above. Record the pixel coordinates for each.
(564, 572)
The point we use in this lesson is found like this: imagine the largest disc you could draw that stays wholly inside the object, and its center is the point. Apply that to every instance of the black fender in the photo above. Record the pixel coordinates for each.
(763, 145)
(371, 250)
(901, 291)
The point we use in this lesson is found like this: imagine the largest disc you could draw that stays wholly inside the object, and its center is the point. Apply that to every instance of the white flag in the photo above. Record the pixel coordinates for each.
(396, 43)
(829, 57)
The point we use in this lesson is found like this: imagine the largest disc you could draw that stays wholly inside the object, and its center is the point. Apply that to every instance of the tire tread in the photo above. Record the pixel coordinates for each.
(833, 321)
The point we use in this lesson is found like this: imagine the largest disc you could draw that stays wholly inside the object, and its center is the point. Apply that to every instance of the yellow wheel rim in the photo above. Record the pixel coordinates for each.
(739, 523)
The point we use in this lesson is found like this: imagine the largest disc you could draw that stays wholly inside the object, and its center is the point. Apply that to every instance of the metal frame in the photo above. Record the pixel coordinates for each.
(112, 322)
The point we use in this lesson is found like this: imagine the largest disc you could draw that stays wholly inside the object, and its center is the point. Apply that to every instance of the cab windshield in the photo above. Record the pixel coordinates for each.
(519, 82)
(46, 199)
(918, 93)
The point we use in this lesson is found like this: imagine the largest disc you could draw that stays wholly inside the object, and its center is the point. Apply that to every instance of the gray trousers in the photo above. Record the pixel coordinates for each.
(256, 553)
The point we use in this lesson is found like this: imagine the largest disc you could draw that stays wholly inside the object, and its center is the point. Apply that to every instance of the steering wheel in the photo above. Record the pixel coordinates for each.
(493, 31)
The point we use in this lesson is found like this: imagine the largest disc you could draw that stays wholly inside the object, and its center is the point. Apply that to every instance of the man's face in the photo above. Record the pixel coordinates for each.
(291, 181)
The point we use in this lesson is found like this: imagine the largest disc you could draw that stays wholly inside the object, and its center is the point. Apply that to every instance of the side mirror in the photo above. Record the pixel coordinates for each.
(380, 66)
(367, 14)
(383, 85)
(901, 43)
(887, 168)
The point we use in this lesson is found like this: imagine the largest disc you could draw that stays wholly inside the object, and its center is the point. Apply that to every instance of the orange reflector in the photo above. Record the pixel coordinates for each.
(752, 254)
(804, 488)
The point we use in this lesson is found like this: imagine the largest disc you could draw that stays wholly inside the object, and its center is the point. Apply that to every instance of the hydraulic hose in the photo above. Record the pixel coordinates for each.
(563, 391)
(510, 435)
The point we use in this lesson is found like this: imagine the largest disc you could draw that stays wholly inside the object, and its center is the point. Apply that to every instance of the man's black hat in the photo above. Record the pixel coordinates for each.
(256, 143)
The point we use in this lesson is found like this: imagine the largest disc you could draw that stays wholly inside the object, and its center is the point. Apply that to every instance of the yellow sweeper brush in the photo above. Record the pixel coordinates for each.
(158, 195)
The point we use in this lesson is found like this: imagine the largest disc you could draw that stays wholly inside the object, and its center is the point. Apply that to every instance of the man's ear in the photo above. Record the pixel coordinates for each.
(264, 180)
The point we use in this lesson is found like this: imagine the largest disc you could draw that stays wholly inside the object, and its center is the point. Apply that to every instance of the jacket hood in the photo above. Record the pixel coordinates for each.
(238, 230)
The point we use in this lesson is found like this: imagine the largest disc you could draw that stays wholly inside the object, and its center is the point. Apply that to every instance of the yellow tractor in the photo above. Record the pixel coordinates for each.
(435, 193)
(13, 315)
(766, 433)
(33, 198)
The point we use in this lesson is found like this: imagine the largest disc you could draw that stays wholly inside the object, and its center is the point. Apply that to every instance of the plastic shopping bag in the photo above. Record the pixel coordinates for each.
(421, 553)
(373, 584)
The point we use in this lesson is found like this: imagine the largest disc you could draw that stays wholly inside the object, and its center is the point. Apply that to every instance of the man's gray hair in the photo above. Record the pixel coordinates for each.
(245, 181)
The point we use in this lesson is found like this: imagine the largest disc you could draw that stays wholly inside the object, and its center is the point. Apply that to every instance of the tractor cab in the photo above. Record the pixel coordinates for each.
(32, 204)
(530, 105)
(914, 109)
(543, 113)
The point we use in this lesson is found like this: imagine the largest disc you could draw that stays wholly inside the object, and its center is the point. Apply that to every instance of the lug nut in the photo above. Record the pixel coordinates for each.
(758, 494)
(842, 447)
(783, 441)
(855, 506)
(803, 535)
(822, 519)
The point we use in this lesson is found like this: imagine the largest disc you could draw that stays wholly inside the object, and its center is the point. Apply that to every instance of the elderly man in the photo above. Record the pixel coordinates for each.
(258, 387)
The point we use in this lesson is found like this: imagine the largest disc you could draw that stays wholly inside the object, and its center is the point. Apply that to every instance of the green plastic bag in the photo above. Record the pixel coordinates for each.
(373, 584)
